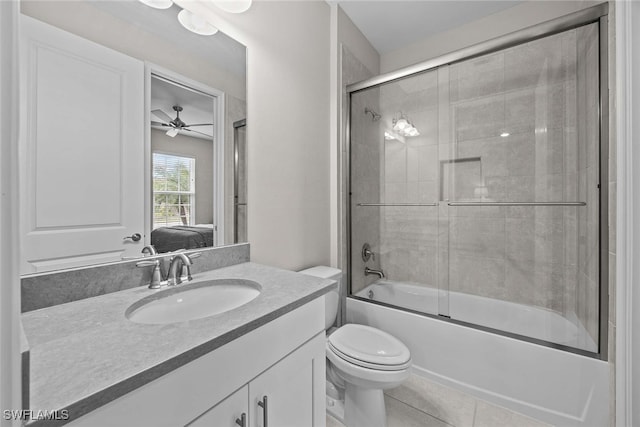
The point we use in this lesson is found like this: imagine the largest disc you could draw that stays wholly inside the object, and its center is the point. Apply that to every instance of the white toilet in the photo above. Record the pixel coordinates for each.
(362, 361)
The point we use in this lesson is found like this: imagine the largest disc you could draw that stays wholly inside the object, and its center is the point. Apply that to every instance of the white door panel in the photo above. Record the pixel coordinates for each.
(82, 151)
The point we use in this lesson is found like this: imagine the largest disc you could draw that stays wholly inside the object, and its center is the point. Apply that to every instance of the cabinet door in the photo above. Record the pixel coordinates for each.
(228, 413)
(81, 150)
(294, 390)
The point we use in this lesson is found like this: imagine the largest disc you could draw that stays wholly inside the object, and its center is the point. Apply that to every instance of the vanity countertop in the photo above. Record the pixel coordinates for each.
(86, 353)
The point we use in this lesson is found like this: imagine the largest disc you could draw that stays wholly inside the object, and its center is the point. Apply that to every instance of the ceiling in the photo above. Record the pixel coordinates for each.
(390, 25)
(197, 107)
(220, 49)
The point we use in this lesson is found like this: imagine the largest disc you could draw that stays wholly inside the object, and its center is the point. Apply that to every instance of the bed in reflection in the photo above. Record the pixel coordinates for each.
(168, 239)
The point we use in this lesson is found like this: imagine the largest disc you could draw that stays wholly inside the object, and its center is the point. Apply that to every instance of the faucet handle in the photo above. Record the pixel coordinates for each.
(367, 253)
(186, 276)
(156, 278)
(148, 263)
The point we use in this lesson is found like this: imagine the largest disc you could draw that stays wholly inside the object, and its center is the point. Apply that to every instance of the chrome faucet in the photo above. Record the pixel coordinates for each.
(179, 262)
(149, 250)
(368, 271)
(175, 277)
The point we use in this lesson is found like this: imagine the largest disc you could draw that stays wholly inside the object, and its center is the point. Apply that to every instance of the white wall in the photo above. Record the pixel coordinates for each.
(628, 233)
(345, 36)
(288, 99)
(509, 20)
(350, 36)
(10, 372)
(634, 326)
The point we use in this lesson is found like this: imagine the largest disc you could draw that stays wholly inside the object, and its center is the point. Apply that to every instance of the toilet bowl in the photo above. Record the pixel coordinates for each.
(361, 362)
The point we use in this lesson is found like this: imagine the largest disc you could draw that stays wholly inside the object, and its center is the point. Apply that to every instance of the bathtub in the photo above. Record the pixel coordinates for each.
(524, 320)
(555, 386)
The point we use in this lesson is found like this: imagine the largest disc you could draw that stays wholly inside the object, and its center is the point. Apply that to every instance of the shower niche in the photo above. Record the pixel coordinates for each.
(477, 185)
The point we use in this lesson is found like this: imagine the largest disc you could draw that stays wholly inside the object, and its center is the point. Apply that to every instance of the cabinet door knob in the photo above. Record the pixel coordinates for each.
(242, 421)
(263, 405)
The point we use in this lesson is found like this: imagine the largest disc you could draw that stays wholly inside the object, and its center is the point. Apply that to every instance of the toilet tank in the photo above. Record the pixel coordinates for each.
(332, 298)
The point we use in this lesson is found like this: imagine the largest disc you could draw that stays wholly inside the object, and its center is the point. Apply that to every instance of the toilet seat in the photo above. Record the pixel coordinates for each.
(363, 377)
(369, 348)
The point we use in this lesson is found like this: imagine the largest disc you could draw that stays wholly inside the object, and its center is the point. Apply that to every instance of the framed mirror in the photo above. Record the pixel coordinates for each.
(128, 128)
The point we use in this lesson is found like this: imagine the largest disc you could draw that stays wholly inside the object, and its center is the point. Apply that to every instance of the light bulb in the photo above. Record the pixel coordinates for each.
(158, 4)
(400, 124)
(196, 23)
(233, 6)
(505, 134)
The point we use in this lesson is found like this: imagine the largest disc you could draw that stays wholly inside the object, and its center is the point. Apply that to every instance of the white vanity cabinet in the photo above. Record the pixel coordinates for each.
(281, 396)
(232, 411)
(283, 360)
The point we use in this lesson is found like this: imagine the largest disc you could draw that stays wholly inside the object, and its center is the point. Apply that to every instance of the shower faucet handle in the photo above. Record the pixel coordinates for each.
(367, 253)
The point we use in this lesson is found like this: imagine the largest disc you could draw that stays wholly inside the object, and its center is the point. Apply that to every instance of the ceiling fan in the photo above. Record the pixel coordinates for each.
(176, 124)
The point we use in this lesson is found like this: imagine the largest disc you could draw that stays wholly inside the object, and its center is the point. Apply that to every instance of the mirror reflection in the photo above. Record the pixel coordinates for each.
(182, 165)
(151, 157)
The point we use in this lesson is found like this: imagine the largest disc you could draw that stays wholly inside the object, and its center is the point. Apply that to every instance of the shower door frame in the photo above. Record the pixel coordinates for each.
(236, 175)
(595, 14)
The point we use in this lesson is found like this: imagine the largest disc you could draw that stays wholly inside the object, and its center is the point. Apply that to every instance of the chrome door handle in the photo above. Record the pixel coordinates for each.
(263, 405)
(242, 421)
(135, 237)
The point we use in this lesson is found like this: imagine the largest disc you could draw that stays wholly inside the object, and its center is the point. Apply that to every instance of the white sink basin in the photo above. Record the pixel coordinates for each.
(193, 301)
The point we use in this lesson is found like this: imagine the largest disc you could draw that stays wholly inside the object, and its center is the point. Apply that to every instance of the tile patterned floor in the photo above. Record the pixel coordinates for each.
(423, 403)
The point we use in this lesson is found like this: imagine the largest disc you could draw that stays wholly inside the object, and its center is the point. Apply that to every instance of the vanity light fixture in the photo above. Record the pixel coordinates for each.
(390, 135)
(404, 127)
(158, 4)
(233, 6)
(196, 23)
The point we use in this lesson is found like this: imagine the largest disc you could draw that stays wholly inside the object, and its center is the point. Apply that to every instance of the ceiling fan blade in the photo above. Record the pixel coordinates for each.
(159, 124)
(195, 131)
(199, 124)
(172, 132)
(161, 115)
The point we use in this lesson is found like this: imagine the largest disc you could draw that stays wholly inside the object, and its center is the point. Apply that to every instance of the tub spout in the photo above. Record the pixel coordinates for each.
(368, 271)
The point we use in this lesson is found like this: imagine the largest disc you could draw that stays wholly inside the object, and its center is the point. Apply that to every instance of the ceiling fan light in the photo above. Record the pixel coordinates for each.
(233, 6)
(196, 23)
(158, 4)
(172, 132)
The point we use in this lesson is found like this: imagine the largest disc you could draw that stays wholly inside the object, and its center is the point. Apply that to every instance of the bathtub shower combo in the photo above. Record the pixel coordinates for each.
(477, 216)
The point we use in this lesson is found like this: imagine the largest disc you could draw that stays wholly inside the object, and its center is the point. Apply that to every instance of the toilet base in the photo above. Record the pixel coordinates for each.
(335, 408)
(364, 407)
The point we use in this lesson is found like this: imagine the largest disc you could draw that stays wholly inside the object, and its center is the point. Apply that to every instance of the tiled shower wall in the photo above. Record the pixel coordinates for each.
(544, 94)
(409, 235)
(366, 143)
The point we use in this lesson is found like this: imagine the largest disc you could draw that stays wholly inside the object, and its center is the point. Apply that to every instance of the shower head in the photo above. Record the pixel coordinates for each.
(374, 116)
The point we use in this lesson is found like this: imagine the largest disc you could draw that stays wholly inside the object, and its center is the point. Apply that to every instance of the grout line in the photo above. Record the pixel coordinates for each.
(475, 412)
(419, 410)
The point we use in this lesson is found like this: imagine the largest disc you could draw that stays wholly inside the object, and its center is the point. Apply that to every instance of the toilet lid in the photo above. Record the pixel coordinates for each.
(369, 347)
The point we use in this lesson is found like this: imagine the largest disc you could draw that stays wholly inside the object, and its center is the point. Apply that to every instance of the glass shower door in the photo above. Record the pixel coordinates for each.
(395, 184)
(523, 189)
(474, 191)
